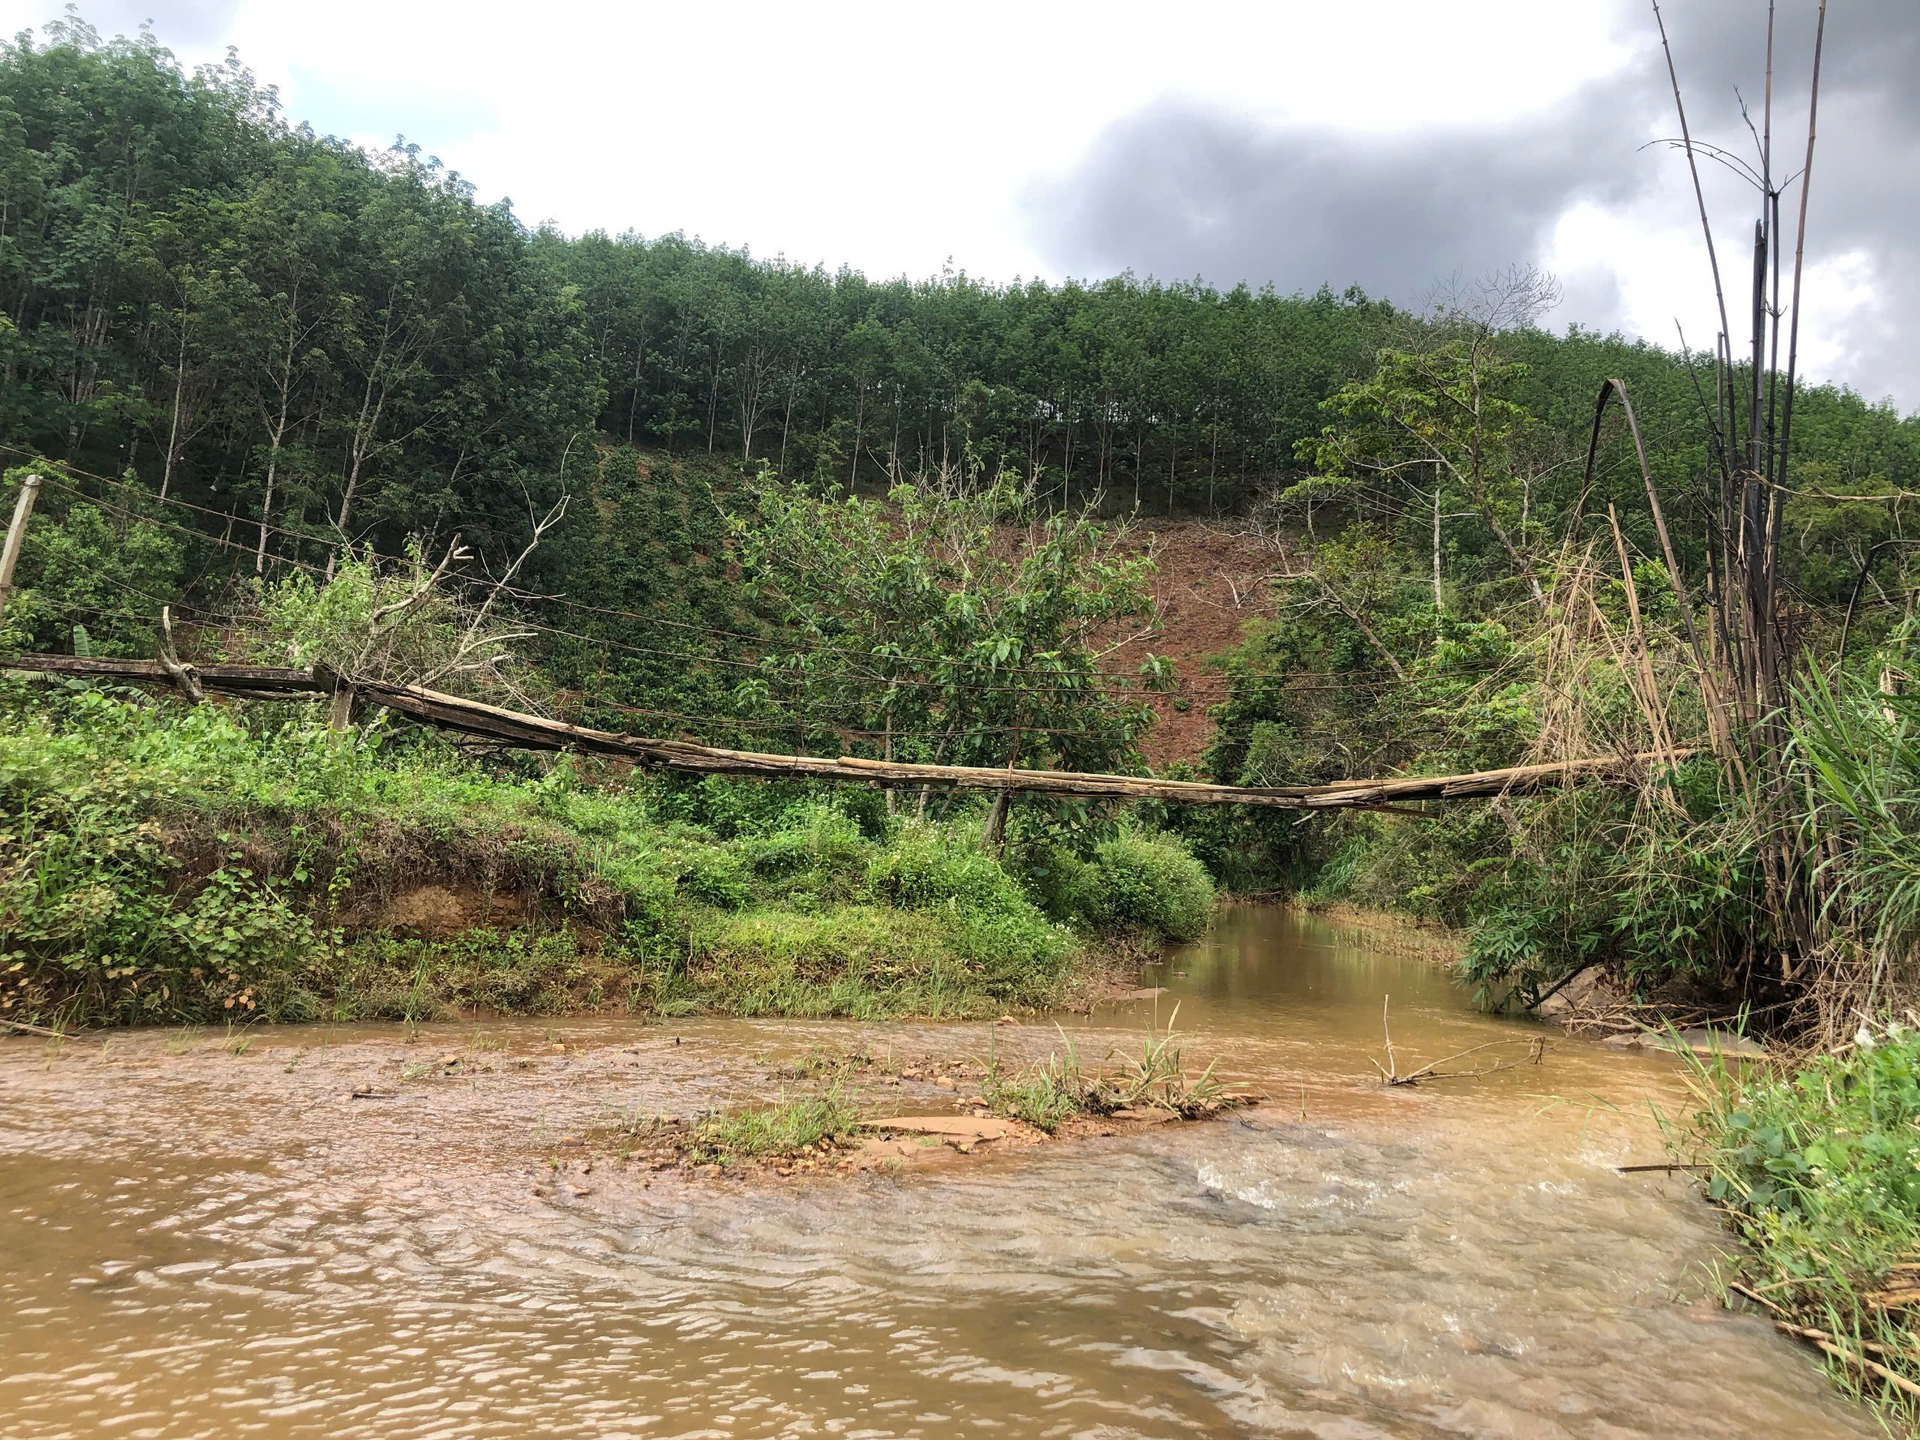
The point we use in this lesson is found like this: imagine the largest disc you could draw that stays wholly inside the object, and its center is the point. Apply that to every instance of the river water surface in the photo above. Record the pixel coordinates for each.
(198, 1242)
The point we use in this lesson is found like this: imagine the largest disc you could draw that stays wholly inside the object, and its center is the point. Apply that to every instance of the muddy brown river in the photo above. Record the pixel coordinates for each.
(203, 1235)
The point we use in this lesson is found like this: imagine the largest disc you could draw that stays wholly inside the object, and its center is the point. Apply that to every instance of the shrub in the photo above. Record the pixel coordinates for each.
(819, 851)
(94, 913)
(1820, 1171)
(1147, 883)
(1051, 873)
(716, 877)
(163, 863)
(931, 868)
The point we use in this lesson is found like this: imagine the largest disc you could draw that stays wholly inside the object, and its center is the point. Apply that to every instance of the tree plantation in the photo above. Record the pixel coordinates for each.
(308, 336)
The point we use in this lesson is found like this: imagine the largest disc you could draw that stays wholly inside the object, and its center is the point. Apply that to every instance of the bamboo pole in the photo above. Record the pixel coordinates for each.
(536, 732)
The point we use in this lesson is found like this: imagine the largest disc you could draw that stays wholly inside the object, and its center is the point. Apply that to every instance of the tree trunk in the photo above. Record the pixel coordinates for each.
(633, 402)
(1439, 600)
(273, 458)
(859, 419)
(173, 433)
(1213, 469)
(364, 429)
(995, 839)
(786, 425)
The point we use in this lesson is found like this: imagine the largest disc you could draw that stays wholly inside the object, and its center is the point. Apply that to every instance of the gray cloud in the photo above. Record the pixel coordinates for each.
(1182, 189)
(1866, 185)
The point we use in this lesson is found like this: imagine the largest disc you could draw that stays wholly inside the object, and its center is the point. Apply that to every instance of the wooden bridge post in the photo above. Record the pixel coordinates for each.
(16, 533)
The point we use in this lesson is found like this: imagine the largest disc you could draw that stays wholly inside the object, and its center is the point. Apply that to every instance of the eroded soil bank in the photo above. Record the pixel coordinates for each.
(214, 1238)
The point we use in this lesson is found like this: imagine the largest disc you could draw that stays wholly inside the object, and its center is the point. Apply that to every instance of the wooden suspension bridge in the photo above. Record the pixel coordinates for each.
(535, 732)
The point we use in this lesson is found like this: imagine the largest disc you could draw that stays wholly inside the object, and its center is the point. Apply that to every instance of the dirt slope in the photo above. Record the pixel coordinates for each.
(1210, 583)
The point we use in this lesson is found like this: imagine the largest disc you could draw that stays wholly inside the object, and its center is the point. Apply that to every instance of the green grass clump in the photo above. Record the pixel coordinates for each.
(1819, 1170)
(769, 1131)
(1057, 1089)
(1159, 1078)
(1045, 1095)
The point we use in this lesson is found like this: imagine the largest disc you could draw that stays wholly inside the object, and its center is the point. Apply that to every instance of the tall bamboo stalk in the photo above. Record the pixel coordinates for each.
(1750, 659)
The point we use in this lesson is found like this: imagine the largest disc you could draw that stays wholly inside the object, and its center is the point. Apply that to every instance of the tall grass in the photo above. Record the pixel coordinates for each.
(1857, 748)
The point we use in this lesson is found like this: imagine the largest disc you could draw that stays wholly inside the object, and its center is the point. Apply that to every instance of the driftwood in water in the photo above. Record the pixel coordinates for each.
(535, 732)
(1390, 1072)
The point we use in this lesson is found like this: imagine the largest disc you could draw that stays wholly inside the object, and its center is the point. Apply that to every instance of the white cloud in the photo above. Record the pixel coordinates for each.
(893, 137)
(888, 136)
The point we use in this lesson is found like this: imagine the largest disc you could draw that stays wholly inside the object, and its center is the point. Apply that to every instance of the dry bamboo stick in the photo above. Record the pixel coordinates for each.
(1825, 1342)
(473, 717)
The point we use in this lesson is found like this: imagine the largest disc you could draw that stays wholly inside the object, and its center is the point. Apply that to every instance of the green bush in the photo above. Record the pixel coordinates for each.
(1051, 874)
(934, 868)
(819, 852)
(717, 877)
(1820, 1169)
(94, 910)
(1146, 883)
(1017, 955)
(729, 806)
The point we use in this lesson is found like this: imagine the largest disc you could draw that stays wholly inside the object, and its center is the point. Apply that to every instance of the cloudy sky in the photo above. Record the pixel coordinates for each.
(1384, 143)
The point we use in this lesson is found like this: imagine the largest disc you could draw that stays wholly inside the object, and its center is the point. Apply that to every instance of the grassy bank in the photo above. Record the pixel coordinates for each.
(1819, 1172)
(164, 864)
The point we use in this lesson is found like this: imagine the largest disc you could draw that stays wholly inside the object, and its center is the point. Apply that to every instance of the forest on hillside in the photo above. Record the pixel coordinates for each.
(256, 354)
(298, 334)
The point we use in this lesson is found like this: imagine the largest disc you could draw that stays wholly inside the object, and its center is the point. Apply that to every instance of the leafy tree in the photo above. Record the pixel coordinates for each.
(923, 625)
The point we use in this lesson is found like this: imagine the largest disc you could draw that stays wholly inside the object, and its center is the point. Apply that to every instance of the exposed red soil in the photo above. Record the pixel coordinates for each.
(1211, 580)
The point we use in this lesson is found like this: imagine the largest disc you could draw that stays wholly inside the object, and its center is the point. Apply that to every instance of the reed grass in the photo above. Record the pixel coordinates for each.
(786, 1128)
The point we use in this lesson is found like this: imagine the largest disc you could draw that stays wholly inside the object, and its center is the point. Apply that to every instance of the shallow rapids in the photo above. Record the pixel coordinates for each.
(200, 1242)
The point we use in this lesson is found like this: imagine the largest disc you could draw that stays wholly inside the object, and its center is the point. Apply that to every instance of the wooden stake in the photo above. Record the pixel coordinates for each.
(16, 532)
(183, 675)
(340, 714)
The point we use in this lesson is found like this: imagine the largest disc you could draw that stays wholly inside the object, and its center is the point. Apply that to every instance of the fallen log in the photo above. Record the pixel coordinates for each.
(536, 732)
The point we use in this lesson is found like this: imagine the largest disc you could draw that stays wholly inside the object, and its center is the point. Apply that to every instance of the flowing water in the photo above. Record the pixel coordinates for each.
(198, 1242)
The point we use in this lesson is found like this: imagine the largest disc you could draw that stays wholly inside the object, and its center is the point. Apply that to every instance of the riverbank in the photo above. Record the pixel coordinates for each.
(1816, 1166)
(1812, 1159)
(169, 865)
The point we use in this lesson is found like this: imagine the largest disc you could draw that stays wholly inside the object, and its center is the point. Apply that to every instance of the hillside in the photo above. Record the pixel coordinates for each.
(1210, 579)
